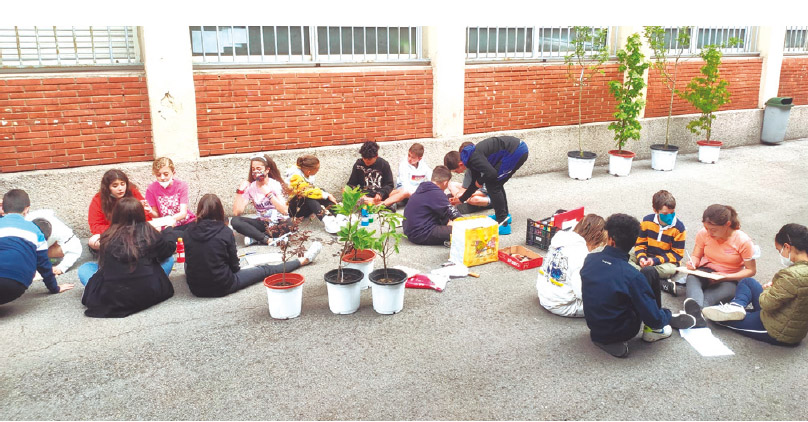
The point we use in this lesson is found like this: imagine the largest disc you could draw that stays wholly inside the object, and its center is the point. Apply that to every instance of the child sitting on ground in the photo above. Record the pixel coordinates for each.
(617, 298)
(307, 199)
(661, 245)
(428, 215)
(63, 244)
(23, 250)
(411, 172)
(265, 188)
(372, 174)
(114, 186)
(479, 199)
(168, 196)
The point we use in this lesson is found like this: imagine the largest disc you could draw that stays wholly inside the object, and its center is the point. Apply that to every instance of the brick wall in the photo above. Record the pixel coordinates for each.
(743, 76)
(73, 121)
(523, 97)
(239, 113)
(794, 79)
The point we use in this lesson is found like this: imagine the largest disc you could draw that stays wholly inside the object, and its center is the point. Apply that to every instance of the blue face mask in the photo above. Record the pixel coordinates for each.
(667, 219)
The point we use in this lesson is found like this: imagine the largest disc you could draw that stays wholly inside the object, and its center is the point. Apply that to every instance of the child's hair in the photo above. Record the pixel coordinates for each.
(464, 145)
(795, 235)
(417, 150)
(129, 232)
(591, 228)
(718, 215)
(663, 198)
(162, 162)
(210, 208)
(441, 174)
(623, 229)
(451, 160)
(107, 200)
(271, 167)
(308, 162)
(369, 149)
(15, 201)
(44, 226)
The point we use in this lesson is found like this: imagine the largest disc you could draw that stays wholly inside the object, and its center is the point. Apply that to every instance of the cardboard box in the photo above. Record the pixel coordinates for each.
(505, 256)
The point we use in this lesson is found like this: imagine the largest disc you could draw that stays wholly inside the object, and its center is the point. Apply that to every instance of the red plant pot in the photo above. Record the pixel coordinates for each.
(624, 153)
(710, 143)
(283, 281)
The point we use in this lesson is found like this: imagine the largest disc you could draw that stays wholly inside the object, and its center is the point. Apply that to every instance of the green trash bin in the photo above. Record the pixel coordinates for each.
(775, 120)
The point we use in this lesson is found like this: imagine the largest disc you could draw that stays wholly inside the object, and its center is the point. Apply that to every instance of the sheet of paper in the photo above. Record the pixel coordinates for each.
(252, 260)
(703, 340)
(162, 221)
(712, 276)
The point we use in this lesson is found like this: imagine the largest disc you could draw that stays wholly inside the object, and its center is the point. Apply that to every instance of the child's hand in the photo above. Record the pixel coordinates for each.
(65, 287)
(767, 285)
(645, 262)
(94, 241)
(244, 185)
(57, 271)
(454, 201)
(690, 266)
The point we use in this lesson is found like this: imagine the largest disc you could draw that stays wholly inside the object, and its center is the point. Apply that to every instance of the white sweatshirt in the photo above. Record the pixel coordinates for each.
(409, 176)
(559, 281)
(61, 234)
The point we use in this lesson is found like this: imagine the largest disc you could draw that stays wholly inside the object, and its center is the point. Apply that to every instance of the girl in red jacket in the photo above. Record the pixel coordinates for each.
(114, 186)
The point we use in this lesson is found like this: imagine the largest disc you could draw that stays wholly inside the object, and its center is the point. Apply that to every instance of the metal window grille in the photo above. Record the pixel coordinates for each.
(796, 40)
(713, 36)
(40, 46)
(304, 44)
(497, 43)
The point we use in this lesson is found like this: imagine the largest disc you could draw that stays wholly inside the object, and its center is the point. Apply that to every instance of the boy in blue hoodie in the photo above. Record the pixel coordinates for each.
(617, 297)
(23, 250)
(428, 215)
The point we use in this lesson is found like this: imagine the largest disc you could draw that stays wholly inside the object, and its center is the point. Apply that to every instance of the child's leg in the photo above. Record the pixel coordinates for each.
(249, 276)
(10, 290)
(751, 326)
(498, 199)
(652, 276)
(250, 227)
(438, 235)
(695, 288)
(277, 230)
(86, 271)
(168, 265)
(396, 196)
(304, 207)
(748, 291)
(720, 292)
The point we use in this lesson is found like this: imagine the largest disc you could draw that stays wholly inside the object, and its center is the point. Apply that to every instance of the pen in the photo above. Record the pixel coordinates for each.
(690, 259)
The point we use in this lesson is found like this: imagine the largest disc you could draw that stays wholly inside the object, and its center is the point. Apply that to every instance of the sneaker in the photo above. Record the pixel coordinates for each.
(494, 217)
(724, 312)
(682, 321)
(313, 251)
(618, 350)
(248, 241)
(651, 335)
(393, 207)
(668, 286)
(331, 224)
(505, 230)
(693, 308)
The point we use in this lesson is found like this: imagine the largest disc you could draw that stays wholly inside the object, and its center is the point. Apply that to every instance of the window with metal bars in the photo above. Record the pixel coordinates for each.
(483, 43)
(720, 36)
(796, 40)
(304, 44)
(43, 46)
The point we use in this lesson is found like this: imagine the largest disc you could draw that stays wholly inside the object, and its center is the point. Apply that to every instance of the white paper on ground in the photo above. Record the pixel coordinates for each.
(158, 222)
(703, 340)
(260, 259)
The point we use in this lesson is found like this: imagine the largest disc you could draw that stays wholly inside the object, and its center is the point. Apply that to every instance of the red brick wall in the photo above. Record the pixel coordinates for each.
(73, 122)
(523, 97)
(743, 76)
(794, 79)
(239, 113)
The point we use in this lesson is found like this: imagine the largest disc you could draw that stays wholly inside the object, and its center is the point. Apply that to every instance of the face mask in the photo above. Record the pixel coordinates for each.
(164, 184)
(667, 219)
(259, 176)
(784, 260)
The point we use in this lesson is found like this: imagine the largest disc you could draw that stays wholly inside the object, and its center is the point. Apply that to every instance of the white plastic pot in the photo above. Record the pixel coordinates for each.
(581, 168)
(284, 301)
(388, 298)
(709, 150)
(343, 297)
(620, 162)
(663, 159)
(367, 257)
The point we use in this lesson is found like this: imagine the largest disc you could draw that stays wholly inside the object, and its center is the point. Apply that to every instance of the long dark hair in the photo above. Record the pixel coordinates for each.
(272, 169)
(129, 234)
(107, 200)
(210, 208)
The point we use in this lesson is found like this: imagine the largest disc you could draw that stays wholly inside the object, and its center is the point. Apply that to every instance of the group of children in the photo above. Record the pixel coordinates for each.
(609, 271)
(612, 273)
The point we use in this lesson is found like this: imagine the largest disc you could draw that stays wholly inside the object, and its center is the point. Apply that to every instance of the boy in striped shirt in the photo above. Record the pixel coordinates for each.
(660, 245)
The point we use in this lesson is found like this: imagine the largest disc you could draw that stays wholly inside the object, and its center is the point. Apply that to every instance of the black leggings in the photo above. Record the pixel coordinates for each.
(652, 275)
(258, 229)
(249, 276)
(496, 191)
(10, 290)
(304, 207)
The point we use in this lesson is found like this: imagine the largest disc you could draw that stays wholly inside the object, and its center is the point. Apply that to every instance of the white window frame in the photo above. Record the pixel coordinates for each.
(62, 46)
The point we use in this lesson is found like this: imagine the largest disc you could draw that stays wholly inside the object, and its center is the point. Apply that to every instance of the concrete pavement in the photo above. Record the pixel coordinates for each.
(482, 349)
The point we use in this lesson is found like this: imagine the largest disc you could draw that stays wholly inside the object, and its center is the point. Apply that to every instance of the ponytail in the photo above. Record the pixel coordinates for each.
(718, 215)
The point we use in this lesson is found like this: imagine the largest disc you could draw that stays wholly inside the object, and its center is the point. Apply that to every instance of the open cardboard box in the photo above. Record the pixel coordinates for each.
(506, 257)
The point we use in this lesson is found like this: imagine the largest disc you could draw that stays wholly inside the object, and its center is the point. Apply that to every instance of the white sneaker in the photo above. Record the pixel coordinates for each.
(248, 241)
(724, 312)
(331, 224)
(650, 335)
(313, 251)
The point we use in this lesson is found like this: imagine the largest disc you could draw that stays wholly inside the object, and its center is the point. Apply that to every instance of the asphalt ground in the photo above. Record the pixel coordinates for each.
(482, 349)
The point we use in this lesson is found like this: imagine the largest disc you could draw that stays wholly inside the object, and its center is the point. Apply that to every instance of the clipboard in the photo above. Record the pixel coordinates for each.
(711, 276)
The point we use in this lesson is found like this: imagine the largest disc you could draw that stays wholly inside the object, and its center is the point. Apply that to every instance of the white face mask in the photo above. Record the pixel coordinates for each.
(164, 184)
(784, 260)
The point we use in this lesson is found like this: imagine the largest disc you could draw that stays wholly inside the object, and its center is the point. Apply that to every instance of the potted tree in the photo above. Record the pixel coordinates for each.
(707, 94)
(663, 156)
(285, 290)
(343, 283)
(629, 104)
(388, 283)
(588, 55)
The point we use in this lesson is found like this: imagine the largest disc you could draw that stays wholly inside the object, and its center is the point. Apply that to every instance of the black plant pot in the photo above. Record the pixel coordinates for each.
(349, 276)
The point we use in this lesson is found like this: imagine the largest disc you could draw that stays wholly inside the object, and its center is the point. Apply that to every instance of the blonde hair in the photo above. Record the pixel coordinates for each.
(592, 229)
(162, 162)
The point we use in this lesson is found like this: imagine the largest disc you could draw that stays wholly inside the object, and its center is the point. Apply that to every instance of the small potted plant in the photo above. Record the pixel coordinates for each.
(285, 290)
(663, 156)
(388, 283)
(707, 94)
(343, 283)
(628, 94)
(584, 62)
